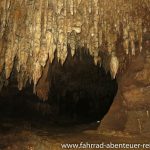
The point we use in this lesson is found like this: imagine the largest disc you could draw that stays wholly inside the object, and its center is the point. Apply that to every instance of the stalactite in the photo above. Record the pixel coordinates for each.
(31, 31)
(114, 65)
(42, 88)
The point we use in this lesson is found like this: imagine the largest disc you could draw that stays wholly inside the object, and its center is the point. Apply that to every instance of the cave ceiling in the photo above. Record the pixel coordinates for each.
(33, 31)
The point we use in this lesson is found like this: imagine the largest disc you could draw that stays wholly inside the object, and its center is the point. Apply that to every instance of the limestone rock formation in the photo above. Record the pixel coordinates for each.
(32, 30)
(132, 103)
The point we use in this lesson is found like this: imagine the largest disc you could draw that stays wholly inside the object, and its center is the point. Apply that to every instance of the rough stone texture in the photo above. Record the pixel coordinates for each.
(136, 84)
(32, 31)
(133, 100)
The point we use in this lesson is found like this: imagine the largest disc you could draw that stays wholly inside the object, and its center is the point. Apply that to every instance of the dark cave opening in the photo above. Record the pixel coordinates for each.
(80, 92)
(84, 91)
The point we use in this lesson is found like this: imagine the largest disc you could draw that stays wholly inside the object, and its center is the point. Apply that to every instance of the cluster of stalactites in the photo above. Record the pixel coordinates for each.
(31, 31)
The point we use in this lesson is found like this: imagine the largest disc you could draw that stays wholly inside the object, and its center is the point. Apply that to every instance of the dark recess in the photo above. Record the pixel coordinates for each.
(80, 92)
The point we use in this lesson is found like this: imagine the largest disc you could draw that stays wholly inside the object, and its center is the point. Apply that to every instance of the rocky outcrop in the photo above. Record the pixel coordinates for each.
(132, 104)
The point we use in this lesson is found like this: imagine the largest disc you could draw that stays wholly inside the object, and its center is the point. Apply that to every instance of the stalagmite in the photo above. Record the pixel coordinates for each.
(32, 31)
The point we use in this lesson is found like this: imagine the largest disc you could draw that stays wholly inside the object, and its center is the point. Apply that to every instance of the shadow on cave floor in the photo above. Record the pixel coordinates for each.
(38, 133)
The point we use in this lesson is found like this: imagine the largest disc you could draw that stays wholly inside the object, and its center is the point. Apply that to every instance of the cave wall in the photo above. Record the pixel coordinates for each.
(130, 110)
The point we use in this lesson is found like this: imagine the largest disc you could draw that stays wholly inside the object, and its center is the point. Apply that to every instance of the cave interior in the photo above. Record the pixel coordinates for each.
(74, 63)
(77, 95)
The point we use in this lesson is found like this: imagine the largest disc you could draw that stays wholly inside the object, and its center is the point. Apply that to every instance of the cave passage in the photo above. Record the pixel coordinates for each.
(80, 92)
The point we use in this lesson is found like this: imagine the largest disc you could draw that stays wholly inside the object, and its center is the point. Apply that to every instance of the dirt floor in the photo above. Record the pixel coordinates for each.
(34, 134)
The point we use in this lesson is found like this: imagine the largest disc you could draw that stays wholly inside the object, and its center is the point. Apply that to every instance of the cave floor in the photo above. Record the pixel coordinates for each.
(21, 134)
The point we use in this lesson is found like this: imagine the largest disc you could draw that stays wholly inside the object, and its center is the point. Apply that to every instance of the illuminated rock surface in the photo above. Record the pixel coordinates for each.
(74, 55)
(32, 30)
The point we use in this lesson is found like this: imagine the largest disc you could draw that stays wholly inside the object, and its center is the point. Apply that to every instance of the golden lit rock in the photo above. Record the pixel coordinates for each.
(31, 31)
